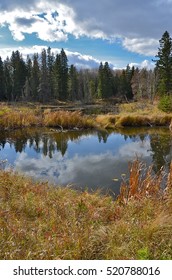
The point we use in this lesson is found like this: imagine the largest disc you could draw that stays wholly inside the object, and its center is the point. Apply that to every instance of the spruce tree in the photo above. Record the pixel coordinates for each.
(73, 83)
(44, 87)
(35, 78)
(164, 64)
(60, 76)
(63, 94)
(101, 85)
(27, 86)
(8, 79)
(19, 73)
(2, 84)
(105, 81)
(50, 62)
(57, 77)
(108, 81)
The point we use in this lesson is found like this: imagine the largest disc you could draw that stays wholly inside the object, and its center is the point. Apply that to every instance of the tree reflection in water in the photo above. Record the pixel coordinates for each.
(104, 152)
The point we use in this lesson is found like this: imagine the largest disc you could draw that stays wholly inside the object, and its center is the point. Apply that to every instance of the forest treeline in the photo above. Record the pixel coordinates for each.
(46, 77)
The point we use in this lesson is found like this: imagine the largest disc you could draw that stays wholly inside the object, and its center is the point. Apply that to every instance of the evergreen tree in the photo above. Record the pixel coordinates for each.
(108, 81)
(73, 83)
(129, 74)
(60, 76)
(8, 79)
(2, 84)
(35, 78)
(50, 62)
(63, 93)
(101, 85)
(27, 86)
(164, 64)
(57, 77)
(44, 86)
(19, 73)
(105, 81)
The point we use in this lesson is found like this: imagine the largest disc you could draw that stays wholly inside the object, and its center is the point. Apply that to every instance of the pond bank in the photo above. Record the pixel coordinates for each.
(41, 222)
(12, 117)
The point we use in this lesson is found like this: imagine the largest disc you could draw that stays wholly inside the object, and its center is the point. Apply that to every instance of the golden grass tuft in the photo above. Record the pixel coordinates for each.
(133, 120)
(66, 119)
(38, 221)
(18, 119)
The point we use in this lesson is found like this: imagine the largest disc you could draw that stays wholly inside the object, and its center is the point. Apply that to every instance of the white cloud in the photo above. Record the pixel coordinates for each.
(144, 64)
(141, 45)
(76, 58)
(47, 28)
(139, 24)
(83, 170)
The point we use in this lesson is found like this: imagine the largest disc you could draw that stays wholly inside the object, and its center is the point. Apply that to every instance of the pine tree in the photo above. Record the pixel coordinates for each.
(63, 94)
(57, 77)
(35, 78)
(108, 81)
(73, 83)
(27, 86)
(2, 84)
(101, 85)
(8, 79)
(19, 73)
(105, 81)
(164, 64)
(60, 76)
(44, 86)
(50, 62)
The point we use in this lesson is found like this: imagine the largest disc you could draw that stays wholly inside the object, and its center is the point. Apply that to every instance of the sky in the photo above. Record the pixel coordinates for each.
(118, 31)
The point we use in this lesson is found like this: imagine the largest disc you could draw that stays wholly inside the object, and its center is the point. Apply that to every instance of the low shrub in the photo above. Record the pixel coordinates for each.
(165, 104)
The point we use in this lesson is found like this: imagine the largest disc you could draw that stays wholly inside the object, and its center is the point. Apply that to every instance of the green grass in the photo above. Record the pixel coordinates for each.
(38, 221)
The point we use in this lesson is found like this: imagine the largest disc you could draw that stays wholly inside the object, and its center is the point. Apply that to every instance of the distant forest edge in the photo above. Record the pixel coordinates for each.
(47, 77)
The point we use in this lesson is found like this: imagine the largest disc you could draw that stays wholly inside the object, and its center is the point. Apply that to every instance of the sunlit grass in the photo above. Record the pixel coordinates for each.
(135, 114)
(18, 117)
(38, 221)
(131, 115)
(66, 119)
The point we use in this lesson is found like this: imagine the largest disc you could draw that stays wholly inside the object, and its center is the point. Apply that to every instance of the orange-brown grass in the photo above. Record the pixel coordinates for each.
(135, 114)
(133, 120)
(14, 118)
(38, 221)
(66, 119)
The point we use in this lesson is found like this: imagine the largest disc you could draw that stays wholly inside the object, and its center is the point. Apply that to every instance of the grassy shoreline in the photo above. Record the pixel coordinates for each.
(130, 115)
(38, 221)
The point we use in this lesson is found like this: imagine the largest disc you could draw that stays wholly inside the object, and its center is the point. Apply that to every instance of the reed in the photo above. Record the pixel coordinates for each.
(39, 221)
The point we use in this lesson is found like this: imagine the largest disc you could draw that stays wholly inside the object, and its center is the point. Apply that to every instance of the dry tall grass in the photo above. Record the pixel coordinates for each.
(133, 120)
(13, 117)
(66, 119)
(41, 222)
(19, 119)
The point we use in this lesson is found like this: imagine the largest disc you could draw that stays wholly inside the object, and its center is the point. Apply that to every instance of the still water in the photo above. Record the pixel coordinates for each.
(84, 159)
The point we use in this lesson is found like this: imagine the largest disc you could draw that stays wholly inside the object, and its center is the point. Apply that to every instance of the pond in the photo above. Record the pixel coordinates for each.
(84, 159)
